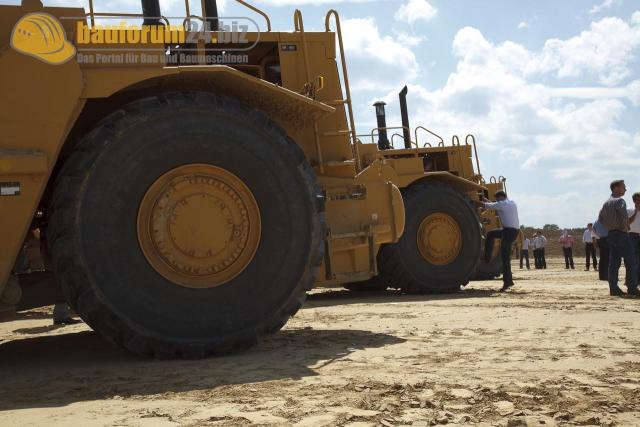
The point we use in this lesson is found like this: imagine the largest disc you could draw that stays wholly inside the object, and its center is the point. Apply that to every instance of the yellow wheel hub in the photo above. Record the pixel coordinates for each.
(439, 239)
(199, 226)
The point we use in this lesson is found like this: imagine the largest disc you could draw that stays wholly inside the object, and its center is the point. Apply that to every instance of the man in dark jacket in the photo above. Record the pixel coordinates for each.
(615, 217)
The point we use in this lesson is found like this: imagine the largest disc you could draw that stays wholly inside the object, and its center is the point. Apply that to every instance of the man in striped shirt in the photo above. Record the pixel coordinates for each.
(615, 218)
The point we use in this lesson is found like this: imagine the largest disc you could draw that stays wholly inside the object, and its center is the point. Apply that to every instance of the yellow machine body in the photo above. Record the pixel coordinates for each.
(47, 107)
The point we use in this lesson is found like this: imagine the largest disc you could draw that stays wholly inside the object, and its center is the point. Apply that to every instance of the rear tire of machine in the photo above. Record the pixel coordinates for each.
(401, 264)
(94, 244)
(489, 270)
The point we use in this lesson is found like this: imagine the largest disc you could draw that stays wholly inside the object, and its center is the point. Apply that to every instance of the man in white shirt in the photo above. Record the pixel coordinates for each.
(535, 242)
(508, 212)
(542, 242)
(589, 239)
(524, 253)
(634, 227)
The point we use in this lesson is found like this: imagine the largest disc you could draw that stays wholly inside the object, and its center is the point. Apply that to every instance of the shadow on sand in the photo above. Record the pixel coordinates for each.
(58, 370)
(344, 296)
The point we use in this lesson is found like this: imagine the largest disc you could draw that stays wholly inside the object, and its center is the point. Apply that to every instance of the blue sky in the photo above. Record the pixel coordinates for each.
(551, 89)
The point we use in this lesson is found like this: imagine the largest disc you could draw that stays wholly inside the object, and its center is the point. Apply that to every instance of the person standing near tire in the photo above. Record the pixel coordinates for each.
(566, 240)
(508, 212)
(524, 253)
(615, 217)
(601, 234)
(589, 240)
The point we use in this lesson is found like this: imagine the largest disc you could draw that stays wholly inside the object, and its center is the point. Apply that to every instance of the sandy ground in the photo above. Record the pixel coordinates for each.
(556, 350)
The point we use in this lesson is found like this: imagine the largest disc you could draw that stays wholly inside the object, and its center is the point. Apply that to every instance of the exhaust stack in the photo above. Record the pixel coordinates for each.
(406, 129)
(151, 12)
(381, 116)
(211, 11)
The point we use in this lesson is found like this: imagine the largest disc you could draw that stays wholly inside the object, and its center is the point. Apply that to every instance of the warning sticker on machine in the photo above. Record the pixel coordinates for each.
(9, 188)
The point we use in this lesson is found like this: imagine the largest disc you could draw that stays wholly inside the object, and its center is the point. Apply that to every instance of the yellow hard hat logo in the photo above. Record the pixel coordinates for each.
(40, 35)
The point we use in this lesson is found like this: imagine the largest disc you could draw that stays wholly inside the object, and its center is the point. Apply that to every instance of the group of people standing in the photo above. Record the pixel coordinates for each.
(589, 238)
(616, 234)
(537, 244)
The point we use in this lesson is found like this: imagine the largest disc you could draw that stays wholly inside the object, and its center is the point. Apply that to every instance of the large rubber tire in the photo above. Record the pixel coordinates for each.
(12, 292)
(94, 243)
(489, 270)
(402, 265)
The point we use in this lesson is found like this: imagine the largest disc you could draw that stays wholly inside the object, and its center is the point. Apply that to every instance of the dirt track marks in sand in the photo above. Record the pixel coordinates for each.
(557, 350)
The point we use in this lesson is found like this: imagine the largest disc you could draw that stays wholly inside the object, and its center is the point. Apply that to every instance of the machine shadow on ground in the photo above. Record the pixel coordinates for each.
(56, 365)
(344, 296)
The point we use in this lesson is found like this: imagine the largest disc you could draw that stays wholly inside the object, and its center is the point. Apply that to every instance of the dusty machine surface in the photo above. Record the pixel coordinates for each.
(186, 206)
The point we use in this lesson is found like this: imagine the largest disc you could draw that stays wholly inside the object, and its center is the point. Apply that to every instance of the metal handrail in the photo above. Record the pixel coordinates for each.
(455, 142)
(299, 27)
(115, 14)
(503, 180)
(373, 132)
(258, 11)
(297, 21)
(298, 24)
(345, 74)
(475, 150)
(441, 143)
(92, 13)
(394, 135)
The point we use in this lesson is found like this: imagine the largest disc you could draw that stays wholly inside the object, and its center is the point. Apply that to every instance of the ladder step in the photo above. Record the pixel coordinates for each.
(349, 235)
(337, 133)
(339, 163)
(339, 102)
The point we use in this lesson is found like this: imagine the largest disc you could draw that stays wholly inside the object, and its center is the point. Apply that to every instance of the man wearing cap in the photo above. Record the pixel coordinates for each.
(615, 217)
(508, 212)
(589, 239)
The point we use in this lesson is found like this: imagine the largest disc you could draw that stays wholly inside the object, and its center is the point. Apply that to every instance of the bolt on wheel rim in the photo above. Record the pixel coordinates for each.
(439, 239)
(199, 226)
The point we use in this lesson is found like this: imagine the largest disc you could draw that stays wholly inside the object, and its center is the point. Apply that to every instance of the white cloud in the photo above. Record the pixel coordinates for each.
(572, 137)
(630, 92)
(605, 51)
(416, 10)
(409, 39)
(523, 25)
(633, 91)
(546, 209)
(381, 56)
(511, 153)
(606, 4)
(278, 3)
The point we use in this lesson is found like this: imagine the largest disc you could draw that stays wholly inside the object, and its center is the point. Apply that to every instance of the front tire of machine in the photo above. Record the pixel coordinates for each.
(97, 255)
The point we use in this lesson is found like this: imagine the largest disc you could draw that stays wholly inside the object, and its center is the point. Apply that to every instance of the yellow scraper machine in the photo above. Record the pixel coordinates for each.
(186, 206)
